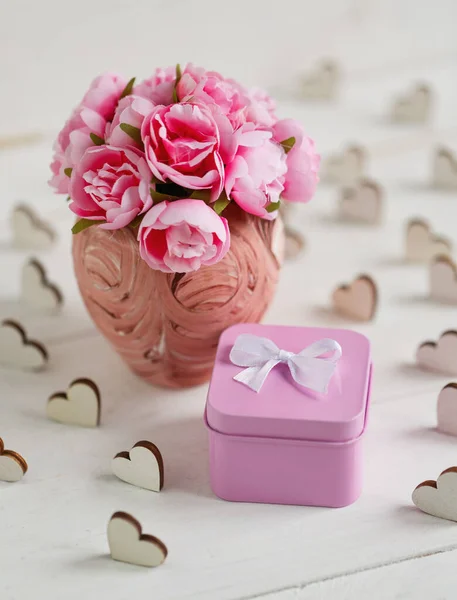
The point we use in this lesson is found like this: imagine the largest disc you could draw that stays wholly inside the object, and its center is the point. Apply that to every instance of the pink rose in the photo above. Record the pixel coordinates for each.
(182, 236)
(131, 110)
(254, 179)
(182, 144)
(302, 162)
(210, 87)
(158, 88)
(90, 116)
(110, 184)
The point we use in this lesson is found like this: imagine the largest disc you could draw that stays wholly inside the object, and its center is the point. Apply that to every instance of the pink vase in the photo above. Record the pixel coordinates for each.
(166, 326)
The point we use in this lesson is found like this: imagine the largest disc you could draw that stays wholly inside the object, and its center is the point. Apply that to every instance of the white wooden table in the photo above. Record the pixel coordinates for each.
(53, 523)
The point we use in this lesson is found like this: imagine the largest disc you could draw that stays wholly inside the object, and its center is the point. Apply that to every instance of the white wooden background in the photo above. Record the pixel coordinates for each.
(53, 523)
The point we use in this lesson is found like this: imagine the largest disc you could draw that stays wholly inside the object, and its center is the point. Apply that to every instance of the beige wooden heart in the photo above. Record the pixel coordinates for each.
(443, 280)
(422, 244)
(362, 203)
(12, 465)
(358, 300)
(142, 466)
(36, 291)
(438, 498)
(17, 351)
(80, 405)
(440, 356)
(128, 544)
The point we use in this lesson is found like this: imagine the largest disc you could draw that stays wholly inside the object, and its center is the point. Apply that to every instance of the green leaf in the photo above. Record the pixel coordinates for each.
(68, 171)
(288, 144)
(68, 198)
(158, 197)
(178, 77)
(128, 88)
(272, 206)
(83, 224)
(136, 221)
(204, 195)
(221, 204)
(98, 141)
(133, 132)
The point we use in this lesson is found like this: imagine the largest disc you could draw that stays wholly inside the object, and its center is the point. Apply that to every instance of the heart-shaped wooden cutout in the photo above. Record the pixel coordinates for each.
(440, 356)
(142, 466)
(322, 82)
(128, 544)
(438, 498)
(358, 300)
(12, 465)
(346, 167)
(445, 169)
(422, 244)
(80, 405)
(17, 351)
(443, 280)
(414, 106)
(362, 203)
(36, 291)
(29, 231)
(446, 409)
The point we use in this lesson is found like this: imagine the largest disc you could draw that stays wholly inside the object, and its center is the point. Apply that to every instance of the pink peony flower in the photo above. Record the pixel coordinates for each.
(158, 89)
(90, 116)
(254, 179)
(104, 93)
(211, 88)
(110, 184)
(131, 110)
(182, 144)
(182, 236)
(302, 162)
(261, 109)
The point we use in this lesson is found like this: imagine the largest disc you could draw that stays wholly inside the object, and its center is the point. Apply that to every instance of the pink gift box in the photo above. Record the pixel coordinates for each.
(287, 444)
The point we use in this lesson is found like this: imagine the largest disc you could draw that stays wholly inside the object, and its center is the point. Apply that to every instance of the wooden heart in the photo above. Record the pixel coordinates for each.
(414, 106)
(12, 465)
(362, 203)
(440, 356)
(438, 498)
(443, 280)
(29, 231)
(346, 167)
(422, 244)
(17, 351)
(142, 466)
(447, 409)
(358, 300)
(128, 544)
(322, 83)
(36, 291)
(445, 169)
(80, 405)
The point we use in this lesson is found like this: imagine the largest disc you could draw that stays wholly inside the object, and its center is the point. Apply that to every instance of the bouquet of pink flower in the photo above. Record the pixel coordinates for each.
(167, 156)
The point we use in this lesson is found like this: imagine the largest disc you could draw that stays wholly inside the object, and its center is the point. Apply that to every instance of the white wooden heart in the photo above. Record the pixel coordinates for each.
(422, 245)
(17, 351)
(80, 405)
(438, 498)
(357, 300)
(142, 466)
(445, 169)
(12, 465)
(36, 291)
(29, 231)
(346, 167)
(414, 106)
(440, 356)
(446, 409)
(362, 203)
(322, 83)
(443, 280)
(128, 544)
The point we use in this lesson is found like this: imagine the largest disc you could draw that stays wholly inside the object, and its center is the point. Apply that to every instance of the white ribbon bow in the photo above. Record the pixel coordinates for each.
(260, 355)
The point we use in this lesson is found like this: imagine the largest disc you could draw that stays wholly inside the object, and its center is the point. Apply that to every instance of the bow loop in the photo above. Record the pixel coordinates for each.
(313, 367)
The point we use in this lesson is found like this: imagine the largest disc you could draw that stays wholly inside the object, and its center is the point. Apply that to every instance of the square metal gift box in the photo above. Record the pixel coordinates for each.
(287, 444)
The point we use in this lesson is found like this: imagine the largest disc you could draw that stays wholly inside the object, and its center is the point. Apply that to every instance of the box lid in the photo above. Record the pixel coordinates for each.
(283, 408)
